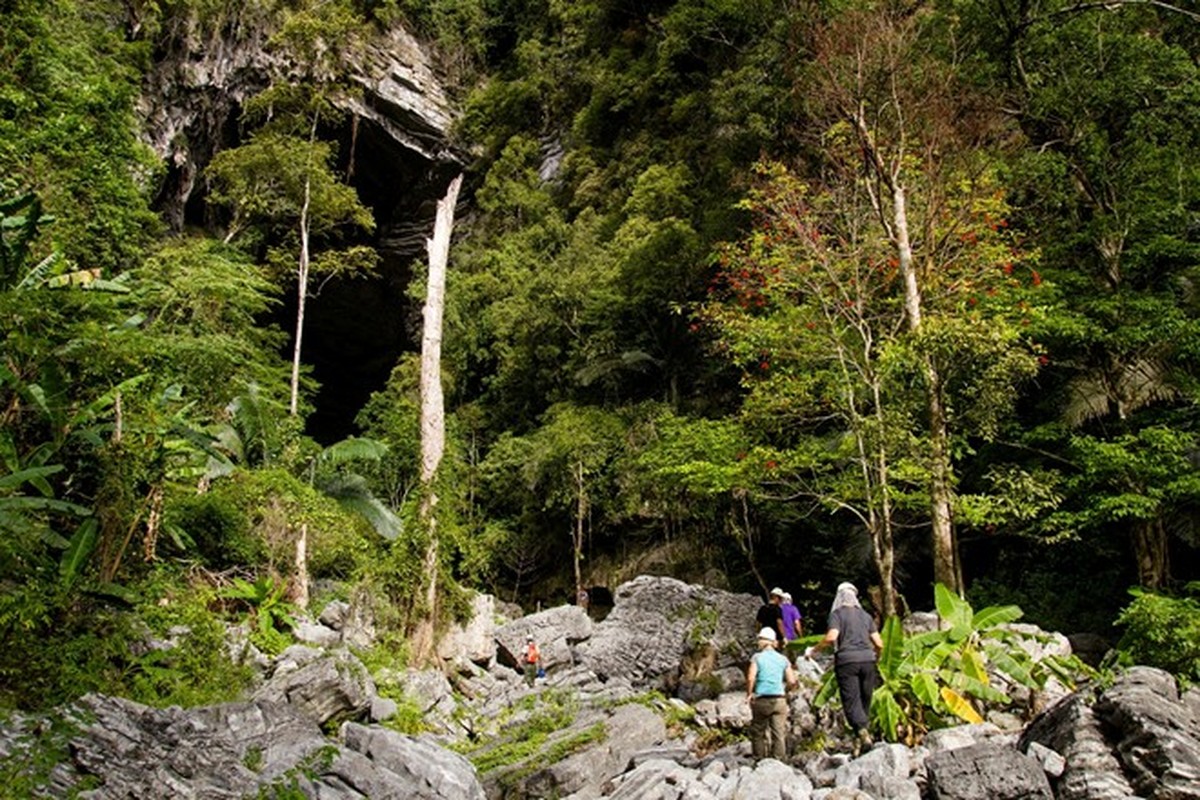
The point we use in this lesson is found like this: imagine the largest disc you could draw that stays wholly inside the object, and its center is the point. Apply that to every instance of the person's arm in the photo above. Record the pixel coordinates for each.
(877, 643)
(792, 678)
(779, 628)
(831, 637)
(799, 627)
(751, 676)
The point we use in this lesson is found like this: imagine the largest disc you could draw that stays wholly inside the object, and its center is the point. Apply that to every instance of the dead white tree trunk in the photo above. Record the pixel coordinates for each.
(433, 412)
(302, 280)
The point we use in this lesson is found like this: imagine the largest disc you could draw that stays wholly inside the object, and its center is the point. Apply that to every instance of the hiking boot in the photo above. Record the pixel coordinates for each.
(863, 740)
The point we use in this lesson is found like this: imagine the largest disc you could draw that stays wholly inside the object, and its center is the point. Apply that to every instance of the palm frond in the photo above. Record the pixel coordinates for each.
(354, 448)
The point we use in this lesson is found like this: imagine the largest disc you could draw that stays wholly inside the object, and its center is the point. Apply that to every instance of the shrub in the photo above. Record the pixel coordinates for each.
(220, 531)
(1162, 631)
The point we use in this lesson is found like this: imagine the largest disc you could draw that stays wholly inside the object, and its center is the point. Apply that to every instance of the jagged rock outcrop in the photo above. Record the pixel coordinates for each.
(618, 733)
(321, 687)
(986, 771)
(238, 750)
(555, 631)
(204, 72)
(601, 735)
(657, 621)
(1138, 738)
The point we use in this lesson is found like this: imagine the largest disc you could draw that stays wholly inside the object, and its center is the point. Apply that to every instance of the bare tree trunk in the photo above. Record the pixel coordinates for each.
(580, 514)
(883, 544)
(433, 412)
(301, 301)
(300, 585)
(1150, 549)
(947, 567)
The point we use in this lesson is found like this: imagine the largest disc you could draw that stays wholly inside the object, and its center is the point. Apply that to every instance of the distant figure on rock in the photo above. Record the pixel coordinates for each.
(793, 621)
(768, 678)
(853, 633)
(531, 660)
(771, 615)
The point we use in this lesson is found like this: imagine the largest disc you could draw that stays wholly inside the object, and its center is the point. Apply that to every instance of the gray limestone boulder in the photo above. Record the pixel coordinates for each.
(555, 630)
(952, 738)
(1091, 770)
(334, 686)
(628, 731)
(884, 760)
(657, 621)
(423, 767)
(1157, 736)
(658, 779)
(475, 641)
(123, 750)
(986, 771)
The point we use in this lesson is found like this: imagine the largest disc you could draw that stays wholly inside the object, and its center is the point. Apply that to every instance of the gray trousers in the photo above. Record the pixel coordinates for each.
(768, 727)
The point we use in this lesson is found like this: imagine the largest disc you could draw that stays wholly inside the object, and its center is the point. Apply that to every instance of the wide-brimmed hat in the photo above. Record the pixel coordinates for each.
(777, 591)
(768, 634)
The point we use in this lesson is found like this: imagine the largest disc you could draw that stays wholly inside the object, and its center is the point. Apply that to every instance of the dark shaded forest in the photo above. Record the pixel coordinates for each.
(746, 292)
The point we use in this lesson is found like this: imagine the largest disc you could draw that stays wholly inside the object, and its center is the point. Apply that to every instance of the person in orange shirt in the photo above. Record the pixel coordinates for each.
(531, 659)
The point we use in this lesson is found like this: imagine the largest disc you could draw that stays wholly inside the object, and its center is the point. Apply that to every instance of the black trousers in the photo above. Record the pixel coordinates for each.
(856, 682)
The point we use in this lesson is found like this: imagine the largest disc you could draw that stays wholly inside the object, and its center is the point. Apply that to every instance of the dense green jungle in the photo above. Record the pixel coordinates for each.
(745, 292)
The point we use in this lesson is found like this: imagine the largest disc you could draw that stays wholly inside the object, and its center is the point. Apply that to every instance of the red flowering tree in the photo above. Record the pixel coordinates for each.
(812, 304)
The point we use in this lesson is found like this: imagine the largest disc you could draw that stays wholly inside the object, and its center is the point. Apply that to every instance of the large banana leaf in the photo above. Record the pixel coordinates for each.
(954, 611)
(892, 656)
(992, 616)
(972, 687)
(354, 448)
(973, 666)
(925, 688)
(1012, 667)
(959, 706)
(887, 712)
(78, 550)
(36, 476)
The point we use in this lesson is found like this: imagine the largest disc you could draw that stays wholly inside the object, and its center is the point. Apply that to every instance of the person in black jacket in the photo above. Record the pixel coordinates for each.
(771, 614)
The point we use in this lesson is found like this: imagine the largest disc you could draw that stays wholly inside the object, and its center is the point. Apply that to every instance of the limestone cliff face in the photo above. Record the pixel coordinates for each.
(193, 95)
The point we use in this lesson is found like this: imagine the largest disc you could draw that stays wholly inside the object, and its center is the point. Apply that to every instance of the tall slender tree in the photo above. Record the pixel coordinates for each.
(923, 150)
(433, 411)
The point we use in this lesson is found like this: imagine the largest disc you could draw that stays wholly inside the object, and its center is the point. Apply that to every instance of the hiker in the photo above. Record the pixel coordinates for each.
(770, 615)
(853, 633)
(531, 660)
(768, 678)
(793, 621)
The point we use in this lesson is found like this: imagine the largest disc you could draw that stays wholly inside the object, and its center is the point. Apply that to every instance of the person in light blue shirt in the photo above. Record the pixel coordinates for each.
(768, 678)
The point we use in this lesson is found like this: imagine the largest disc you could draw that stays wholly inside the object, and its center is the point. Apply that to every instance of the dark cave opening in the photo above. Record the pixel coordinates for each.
(357, 328)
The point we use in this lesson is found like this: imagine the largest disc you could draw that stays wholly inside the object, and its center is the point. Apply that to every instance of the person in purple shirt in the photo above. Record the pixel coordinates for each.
(793, 625)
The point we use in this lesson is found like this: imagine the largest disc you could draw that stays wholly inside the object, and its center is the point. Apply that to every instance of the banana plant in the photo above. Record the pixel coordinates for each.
(271, 613)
